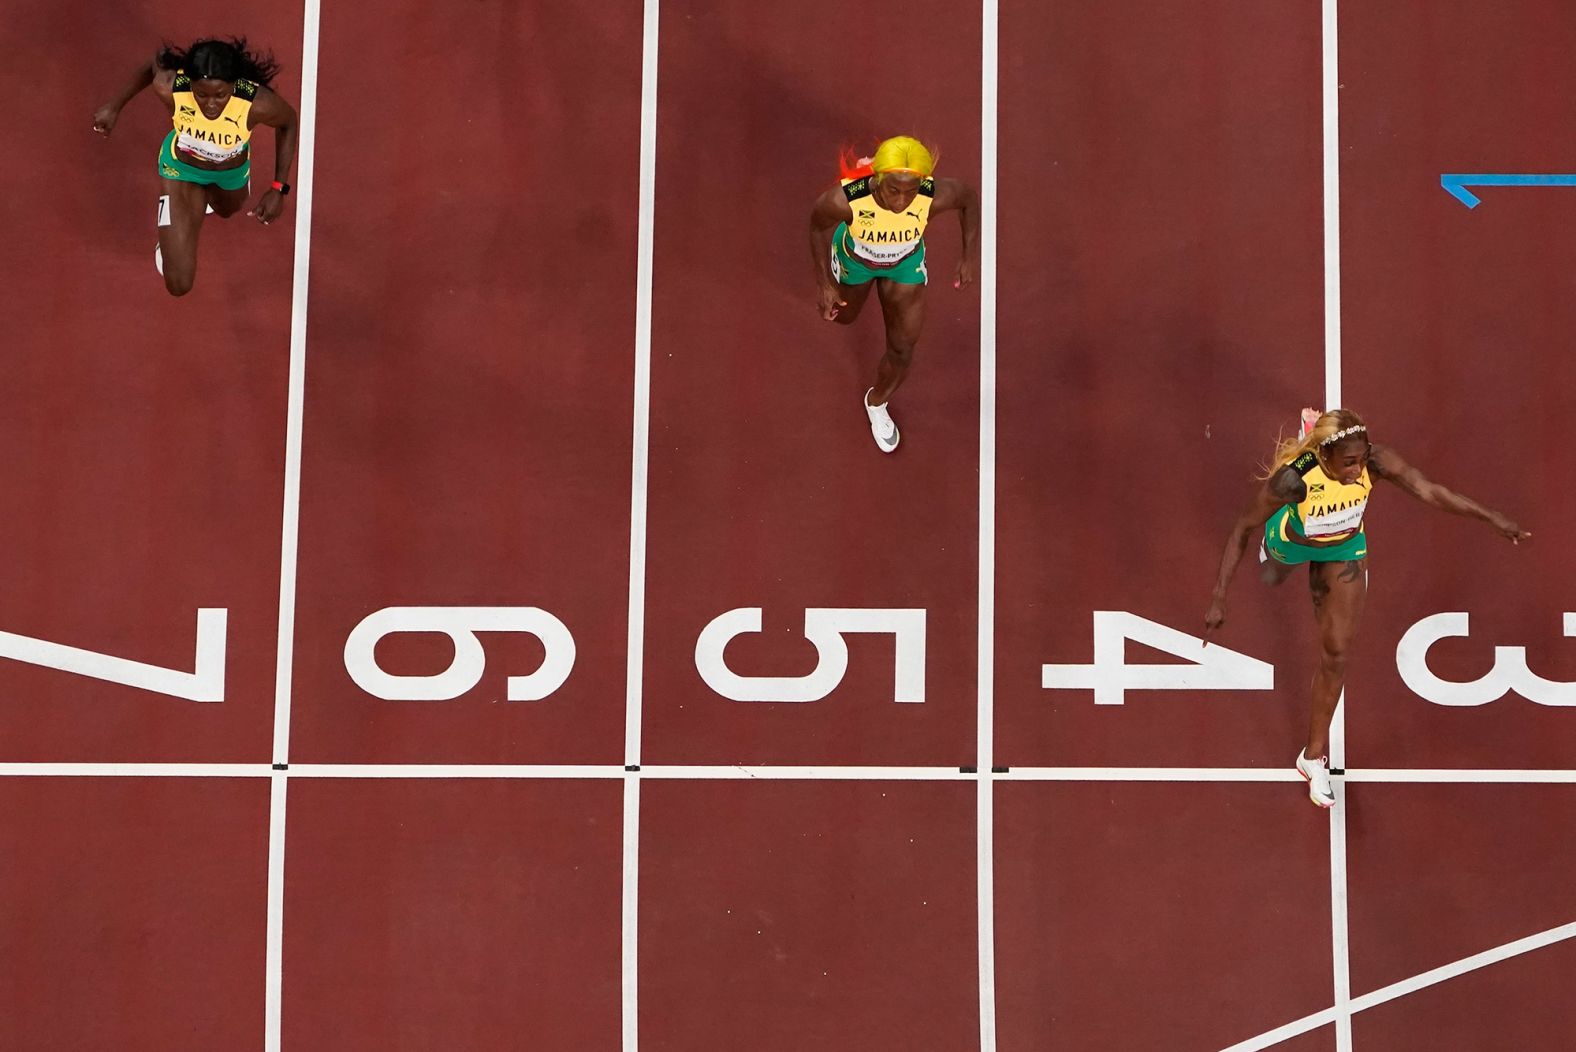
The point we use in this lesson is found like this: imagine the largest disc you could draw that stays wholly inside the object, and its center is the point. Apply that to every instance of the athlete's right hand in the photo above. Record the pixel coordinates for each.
(1214, 617)
(104, 118)
(830, 301)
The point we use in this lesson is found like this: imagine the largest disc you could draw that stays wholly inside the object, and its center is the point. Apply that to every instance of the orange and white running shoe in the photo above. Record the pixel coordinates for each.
(1310, 419)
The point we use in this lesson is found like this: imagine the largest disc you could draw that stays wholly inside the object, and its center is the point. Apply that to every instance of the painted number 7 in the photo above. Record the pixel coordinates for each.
(1110, 676)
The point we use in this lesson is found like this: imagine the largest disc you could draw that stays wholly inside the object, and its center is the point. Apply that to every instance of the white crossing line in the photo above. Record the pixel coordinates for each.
(639, 476)
(306, 152)
(1411, 985)
(985, 846)
(785, 772)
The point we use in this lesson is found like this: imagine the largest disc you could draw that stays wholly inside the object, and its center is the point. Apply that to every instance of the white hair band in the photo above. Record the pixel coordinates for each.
(1355, 429)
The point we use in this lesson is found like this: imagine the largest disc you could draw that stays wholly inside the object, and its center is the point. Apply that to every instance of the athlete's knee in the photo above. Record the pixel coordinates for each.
(849, 314)
(178, 284)
(1332, 657)
(901, 351)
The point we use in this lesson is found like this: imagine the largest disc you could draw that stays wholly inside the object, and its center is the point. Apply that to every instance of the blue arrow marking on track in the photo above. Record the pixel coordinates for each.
(1457, 184)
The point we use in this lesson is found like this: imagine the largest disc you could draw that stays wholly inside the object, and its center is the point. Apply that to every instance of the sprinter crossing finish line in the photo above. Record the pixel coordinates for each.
(1311, 504)
(216, 92)
(870, 233)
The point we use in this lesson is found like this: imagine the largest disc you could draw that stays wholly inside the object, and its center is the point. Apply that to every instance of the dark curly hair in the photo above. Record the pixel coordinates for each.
(227, 60)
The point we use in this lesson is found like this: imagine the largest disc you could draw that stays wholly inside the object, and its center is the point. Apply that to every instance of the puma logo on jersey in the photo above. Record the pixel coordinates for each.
(233, 121)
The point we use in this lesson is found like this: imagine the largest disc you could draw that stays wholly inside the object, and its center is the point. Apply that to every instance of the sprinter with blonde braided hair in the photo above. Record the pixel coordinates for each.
(1312, 500)
(870, 231)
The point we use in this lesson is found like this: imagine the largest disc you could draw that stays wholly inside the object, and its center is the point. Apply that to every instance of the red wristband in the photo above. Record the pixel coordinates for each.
(283, 188)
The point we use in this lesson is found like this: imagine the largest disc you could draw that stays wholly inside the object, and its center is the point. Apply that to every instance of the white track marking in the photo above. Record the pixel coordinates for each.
(1340, 945)
(1445, 776)
(629, 910)
(1281, 1033)
(1151, 774)
(1412, 985)
(1332, 209)
(639, 476)
(1455, 776)
(273, 969)
(1330, 100)
(985, 847)
(306, 152)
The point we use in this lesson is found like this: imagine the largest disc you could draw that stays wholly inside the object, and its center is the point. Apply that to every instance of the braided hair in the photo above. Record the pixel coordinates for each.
(227, 60)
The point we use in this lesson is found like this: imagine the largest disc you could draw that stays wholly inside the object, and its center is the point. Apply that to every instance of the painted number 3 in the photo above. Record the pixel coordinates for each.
(1510, 671)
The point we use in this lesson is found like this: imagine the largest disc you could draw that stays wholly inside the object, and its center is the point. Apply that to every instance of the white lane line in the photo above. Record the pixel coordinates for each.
(639, 480)
(985, 846)
(135, 770)
(1444, 776)
(289, 534)
(872, 774)
(1463, 966)
(296, 396)
(1340, 945)
(1333, 395)
(1151, 774)
(475, 770)
(1412, 985)
(273, 966)
(639, 473)
(1282, 1033)
(1332, 209)
(630, 914)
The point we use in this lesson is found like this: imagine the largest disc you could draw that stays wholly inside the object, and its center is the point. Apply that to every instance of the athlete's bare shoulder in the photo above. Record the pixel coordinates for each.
(831, 208)
(1287, 485)
(163, 82)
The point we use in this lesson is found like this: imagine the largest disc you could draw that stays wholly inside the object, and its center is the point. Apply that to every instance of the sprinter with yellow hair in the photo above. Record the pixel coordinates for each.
(1313, 499)
(870, 232)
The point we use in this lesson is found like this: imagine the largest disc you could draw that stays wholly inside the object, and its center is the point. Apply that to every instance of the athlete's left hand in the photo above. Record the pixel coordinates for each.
(268, 206)
(1509, 530)
(965, 276)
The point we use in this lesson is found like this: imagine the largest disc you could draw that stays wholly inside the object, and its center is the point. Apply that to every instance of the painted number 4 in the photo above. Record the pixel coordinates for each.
(1110, 675)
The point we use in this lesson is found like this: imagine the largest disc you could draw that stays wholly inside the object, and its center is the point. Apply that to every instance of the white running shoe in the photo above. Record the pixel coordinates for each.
(1320, 791)
(882, 426)
(1308, 421)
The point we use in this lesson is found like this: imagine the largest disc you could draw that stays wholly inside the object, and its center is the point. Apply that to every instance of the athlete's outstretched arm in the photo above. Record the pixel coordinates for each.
(272, 110)
(105, 116)
(831, 208)
(952, 194)
(1386, 463)
(1282, 488)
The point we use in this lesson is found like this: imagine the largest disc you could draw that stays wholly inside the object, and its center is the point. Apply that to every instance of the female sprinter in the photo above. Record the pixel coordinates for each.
(217, 92)
(871, 232)
(1313, 501)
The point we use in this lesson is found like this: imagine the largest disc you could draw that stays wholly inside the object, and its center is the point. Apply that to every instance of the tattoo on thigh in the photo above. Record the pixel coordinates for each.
(1318, 587)
(1351, 570)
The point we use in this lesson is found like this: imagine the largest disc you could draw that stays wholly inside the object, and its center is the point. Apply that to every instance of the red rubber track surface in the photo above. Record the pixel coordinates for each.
(467, 442)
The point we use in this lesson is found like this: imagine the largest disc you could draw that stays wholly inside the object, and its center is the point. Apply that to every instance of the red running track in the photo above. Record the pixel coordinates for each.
(467, 442)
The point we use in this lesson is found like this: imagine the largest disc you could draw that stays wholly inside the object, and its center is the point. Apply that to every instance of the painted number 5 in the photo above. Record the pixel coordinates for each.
(1111, 677)
(825, 627)
(1510, 671)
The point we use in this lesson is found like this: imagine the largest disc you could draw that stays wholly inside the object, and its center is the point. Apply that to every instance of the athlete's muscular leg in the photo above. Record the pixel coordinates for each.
(1339, 592)
(1272, 571)
(226, 202)
(853, 297)
(903, 308)
(178, 240)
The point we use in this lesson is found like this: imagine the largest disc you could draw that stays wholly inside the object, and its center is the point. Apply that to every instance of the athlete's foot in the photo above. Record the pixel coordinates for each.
(882, 426)
(1317, 772)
